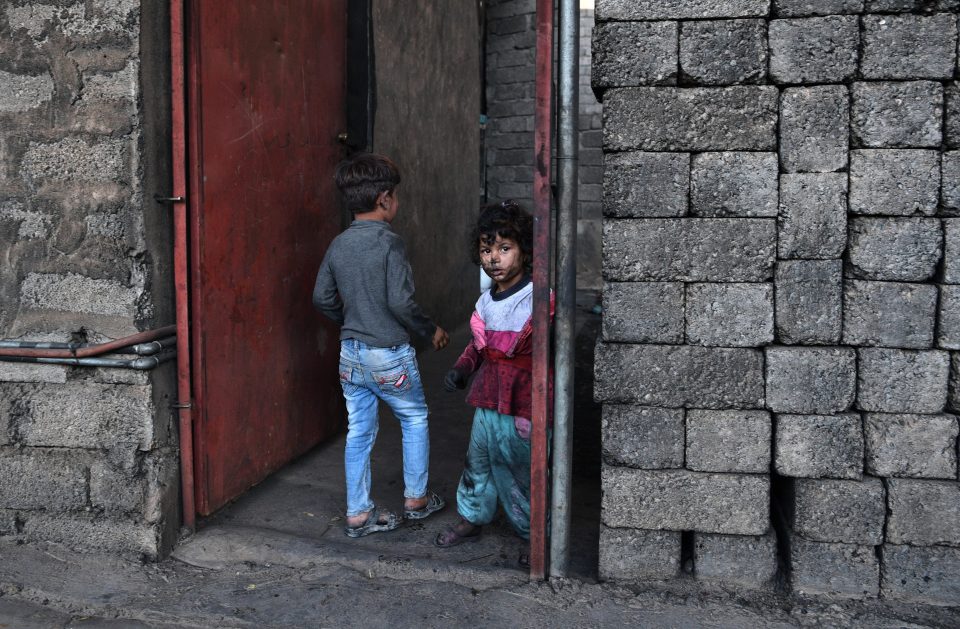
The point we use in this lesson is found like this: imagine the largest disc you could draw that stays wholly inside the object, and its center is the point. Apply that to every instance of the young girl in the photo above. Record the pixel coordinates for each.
(498, 457)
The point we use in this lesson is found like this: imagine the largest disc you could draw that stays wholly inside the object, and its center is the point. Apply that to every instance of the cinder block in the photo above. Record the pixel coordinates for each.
(29, 372)
(911, 446)
(808, 301)
(76, 160)
(734, 184)
(819, 446)
(814, 50)
(921, 574)
(728, 441)
(678, 9)
(8, 522)
(894, 249)
(723, 52)
(729, 315)
(814, 128)
(115, 488)
(689, 250)
(646, 185)
(813, 216)
(835, 570)
(948, 330)
(810, 380)
(677, 376)
(902, 381)
(122, 84)
(950, 178)
(952, 126)
(899, 182)
(923, 512)
(953, 400)
(162, 499)
(909, 46)
(55, 480)
(800, 8)
(680, 500)
(890, 115)
(889, 314)
(634, 53)
(740, 118)
(642, 436)
(637, 555)
(83, 415)
(742, 560)
(911, 5)
(21, 92)
(847, 511)
(951, 252)
(93, 533)
(77, 293)
(643, 312)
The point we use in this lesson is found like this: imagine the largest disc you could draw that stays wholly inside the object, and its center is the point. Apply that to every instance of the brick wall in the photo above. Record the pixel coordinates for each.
(511, 37)
(87, 456)
(780, 309)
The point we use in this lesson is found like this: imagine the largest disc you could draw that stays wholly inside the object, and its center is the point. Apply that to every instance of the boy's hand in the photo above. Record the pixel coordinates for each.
(454, 380)
(440, 338)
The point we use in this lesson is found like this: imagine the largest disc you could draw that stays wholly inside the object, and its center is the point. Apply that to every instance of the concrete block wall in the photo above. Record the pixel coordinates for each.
(88, 458)
(510, 54)
(779, 357)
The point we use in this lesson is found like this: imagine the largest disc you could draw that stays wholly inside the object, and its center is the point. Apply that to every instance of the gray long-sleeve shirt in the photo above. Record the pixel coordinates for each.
(365, 284)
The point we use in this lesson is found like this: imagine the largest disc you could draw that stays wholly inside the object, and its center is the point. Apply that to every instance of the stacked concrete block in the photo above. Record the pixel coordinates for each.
(819, 446)
(794, 223)
(723, 52)
(86, 259)
(814, 49)
(743, 561)
(897, 114)
(911, 446)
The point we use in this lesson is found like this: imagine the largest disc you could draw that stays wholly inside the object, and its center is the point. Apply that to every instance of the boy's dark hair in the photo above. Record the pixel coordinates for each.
(507, 220)
(362, 177)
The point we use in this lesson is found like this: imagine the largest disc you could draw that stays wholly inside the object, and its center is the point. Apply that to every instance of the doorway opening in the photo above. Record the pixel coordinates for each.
(272, 108)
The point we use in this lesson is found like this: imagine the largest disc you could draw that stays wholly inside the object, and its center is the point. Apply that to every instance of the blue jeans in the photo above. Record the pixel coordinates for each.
(369, 374)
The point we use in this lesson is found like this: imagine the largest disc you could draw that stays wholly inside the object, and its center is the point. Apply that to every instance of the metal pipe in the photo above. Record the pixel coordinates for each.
(541, 289)
(91, 350)
(178, 103)
(141, 349)
(568, 86)
(153, 347)
(141, 363)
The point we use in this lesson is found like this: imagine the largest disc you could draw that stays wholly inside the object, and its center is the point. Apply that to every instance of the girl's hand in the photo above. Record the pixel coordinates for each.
(454, 380)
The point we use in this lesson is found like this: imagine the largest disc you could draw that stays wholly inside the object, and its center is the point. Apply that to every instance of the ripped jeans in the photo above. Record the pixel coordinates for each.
(367, 375)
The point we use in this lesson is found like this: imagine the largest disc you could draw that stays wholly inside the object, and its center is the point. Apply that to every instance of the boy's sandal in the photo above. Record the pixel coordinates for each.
(378, 520)
(451, 537)
(434, 504)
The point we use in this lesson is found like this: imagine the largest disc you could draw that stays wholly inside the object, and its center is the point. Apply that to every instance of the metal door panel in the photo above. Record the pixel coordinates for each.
(266, 104)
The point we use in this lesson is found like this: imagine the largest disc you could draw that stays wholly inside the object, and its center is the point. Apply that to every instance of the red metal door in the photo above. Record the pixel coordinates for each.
(266, 102)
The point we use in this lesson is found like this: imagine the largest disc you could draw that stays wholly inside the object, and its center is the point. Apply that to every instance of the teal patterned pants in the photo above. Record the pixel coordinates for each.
(497, 470)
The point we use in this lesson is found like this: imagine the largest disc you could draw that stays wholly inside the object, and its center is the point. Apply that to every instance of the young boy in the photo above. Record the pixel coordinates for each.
(366, 285)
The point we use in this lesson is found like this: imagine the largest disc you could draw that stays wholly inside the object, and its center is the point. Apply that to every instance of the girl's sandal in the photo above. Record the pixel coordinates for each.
(523, 560)
(378, 520)
(434, 504)
(451, 536)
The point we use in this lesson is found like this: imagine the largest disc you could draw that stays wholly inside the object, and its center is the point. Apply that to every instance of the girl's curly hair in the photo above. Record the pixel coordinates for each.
(507, 220)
